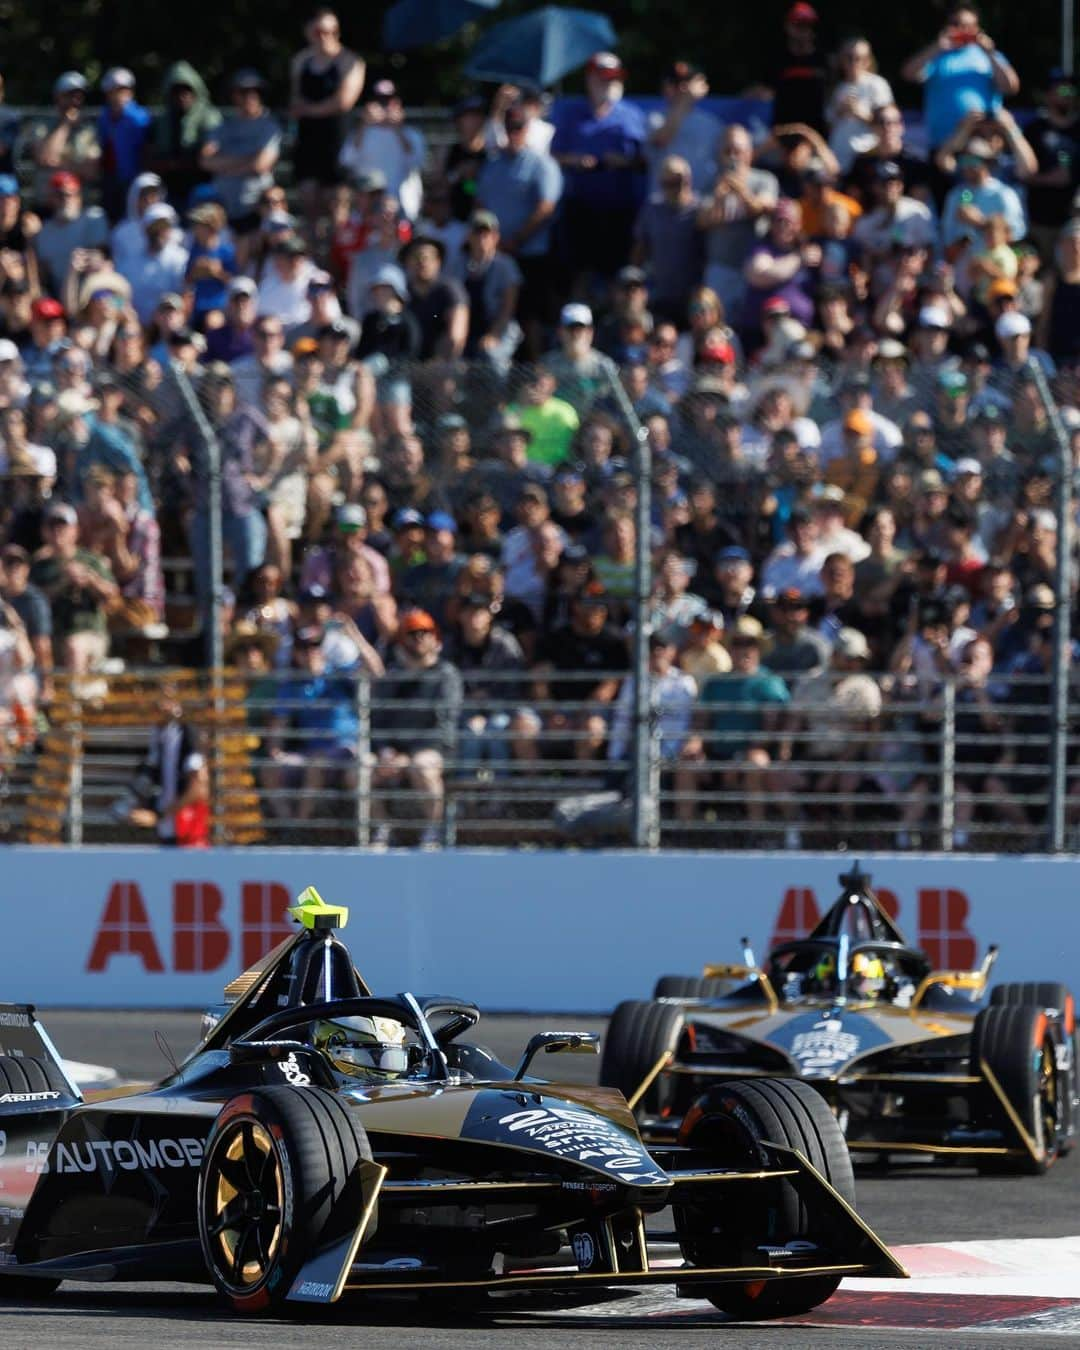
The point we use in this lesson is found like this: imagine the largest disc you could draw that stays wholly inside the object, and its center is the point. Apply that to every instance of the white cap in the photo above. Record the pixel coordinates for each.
(117, 78)
(850, 642)
(159, 211)
(194, 762)
(576, 314)
(243, 286)
(967, 465)
(8, 350)
(44, 460)
(1012, 324)
(933, 316)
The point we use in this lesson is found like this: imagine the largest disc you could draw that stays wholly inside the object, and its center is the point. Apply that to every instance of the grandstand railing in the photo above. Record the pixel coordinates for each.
(524, 771)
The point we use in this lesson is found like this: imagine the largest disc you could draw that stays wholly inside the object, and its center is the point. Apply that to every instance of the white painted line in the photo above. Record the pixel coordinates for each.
(1026, 1267)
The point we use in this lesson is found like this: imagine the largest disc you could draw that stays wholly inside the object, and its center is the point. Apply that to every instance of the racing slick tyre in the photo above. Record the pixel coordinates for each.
(689, 986)
(23, 1074)
(728, 1123)
(275, 1165)
(1015, 1042)
(637, 1036)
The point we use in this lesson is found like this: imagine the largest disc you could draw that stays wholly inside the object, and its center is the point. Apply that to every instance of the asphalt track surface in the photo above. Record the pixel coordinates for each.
(915, 1204)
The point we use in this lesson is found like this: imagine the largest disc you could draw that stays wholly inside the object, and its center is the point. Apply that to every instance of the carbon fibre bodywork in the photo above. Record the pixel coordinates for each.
(894, 1054)
(478, 1179)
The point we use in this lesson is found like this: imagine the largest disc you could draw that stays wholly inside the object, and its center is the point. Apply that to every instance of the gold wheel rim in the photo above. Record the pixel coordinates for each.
(244, 1201)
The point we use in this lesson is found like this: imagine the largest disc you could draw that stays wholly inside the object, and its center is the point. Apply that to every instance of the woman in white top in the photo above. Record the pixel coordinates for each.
(857, 96)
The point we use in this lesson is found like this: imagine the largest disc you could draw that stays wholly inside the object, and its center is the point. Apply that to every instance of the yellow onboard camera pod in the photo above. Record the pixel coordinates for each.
(312, 911)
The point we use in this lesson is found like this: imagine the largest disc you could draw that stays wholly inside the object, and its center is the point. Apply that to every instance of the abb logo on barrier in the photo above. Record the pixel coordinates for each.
(943, 918)
(201, 939)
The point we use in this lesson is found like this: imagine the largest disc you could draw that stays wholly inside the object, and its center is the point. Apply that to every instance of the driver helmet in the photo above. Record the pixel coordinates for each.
(869, 972)
(825, 971)
(365, 1046)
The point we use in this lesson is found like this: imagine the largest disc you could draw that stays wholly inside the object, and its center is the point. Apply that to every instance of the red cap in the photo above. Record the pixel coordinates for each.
(606, 64)
(720, 351)
(47, 308)
(802, 13)
(64, 182)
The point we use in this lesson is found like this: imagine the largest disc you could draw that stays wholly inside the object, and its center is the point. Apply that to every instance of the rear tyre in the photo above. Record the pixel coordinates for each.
(276, 1163)
(734, 1118)
(690, 986)
(637, 1035)
(1015, 1042)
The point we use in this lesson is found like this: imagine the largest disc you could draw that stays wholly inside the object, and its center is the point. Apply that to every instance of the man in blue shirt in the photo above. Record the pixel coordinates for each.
(601, 148)
(977, 196)
(122, 130)
(522, 187)
(963, 72)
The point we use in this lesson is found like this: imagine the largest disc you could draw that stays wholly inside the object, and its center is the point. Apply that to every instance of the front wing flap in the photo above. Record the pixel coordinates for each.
(848, 1246)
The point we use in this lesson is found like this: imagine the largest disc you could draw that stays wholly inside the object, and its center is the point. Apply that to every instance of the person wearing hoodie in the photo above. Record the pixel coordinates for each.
(122, 130)
(186, 119)
(129, 238)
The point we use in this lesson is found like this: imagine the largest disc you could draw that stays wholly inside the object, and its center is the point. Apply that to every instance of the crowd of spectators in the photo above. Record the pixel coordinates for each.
(838, 342)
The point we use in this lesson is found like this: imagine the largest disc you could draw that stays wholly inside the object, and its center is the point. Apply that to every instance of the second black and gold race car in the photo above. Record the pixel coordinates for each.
(910, 1060)
(322, 1141)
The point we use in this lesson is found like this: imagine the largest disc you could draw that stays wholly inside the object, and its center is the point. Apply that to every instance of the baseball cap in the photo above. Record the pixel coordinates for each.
(891, 350)
(953, 382)
(308, 637)
(243, 286)
(8, 350)
(790, 598)
(70, 82)
(733, 553)
(967, 467)
(484, 220)
(391, 275)
(887, 170)
(931, 481)
(476, 600)
(851, 643)
(470, 103)
(989, 415)
(62, 511)
(159, 211)
(718, 350)
(859, 421)
(512, 422)
(9, 185)
(978, 148)
(607, 64)
(828, 494)
(336, 328)
(384, 89)
(933, 316)
(64, 182)
(350, 517)
(630, 276)
(314, 594)
(417, 621)
(1004, 286)
(746, 629)
(776, 304)
(119, 77)
(441, 520)
(247, 78)
(405, 518)
(593, 595)
(576, 554)
(801, 13)
(1010, 325)
(575, 315)
(450, 422)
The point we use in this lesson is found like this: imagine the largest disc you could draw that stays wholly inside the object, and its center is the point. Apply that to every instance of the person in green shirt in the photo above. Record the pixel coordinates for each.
(79, 587)
(737, 720)
(550, 421)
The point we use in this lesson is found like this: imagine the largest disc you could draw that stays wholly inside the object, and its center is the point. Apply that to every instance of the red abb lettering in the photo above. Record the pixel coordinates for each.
(125, 930)
(200, 939)
(798, 914)
(943, 930)
(265, 923)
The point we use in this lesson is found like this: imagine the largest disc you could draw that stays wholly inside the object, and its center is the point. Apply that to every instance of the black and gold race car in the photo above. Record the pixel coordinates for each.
(322, 1141)
(910, 1060)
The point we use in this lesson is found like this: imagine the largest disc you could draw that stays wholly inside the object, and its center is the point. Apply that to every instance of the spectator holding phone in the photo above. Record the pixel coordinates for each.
(963, 72)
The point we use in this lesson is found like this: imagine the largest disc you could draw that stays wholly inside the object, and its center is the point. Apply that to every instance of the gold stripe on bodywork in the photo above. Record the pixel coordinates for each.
(372, 1176)
(1038, 1155)
(890, 1146)
(647, 1082)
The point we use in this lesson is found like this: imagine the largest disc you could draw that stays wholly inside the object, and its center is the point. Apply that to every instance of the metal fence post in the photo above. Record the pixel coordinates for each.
(948, 765)
(643, 804)
(363, 763)
(75, 787)
(1059, 720)
(655, 770)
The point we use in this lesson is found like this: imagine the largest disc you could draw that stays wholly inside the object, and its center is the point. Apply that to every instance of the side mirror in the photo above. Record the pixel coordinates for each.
(558, 1042)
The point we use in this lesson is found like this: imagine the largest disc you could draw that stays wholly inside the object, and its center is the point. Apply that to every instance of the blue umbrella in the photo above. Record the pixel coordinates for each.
(416, 23)
(540, 47)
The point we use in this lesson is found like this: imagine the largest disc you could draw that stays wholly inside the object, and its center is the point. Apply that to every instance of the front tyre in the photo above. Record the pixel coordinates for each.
(275, 1165)
(637, 1037)
(1015, 1042)
(728, 1123)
